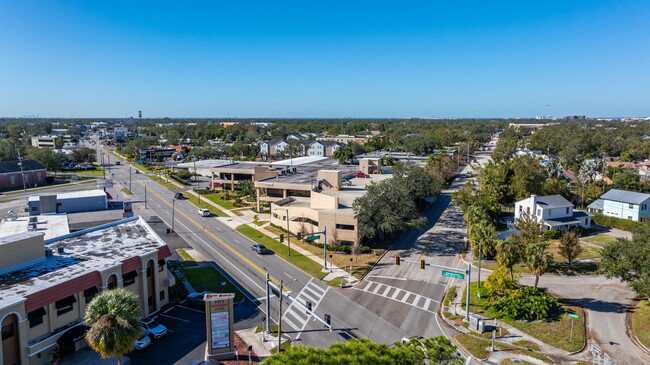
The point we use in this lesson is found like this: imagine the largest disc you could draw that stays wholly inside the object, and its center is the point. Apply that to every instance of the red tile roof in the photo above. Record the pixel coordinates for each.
(131, 264)
(163, 252)
(60, 291)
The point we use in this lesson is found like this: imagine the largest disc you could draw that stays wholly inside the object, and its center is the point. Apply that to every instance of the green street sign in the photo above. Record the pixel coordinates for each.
(313, 238)
(573, 315)
(453, 274)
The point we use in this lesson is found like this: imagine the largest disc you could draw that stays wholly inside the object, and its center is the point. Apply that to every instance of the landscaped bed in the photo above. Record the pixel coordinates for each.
(554, 331)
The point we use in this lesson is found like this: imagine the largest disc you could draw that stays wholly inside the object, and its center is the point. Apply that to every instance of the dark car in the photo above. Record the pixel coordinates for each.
(260, 249)
(179, 196)
(197, 298)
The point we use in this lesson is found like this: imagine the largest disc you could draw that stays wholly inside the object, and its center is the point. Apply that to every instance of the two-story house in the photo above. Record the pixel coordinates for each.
(553, 211)
(622, 204)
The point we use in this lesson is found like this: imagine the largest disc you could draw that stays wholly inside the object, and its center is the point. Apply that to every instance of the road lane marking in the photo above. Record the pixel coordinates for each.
(215, 238)
(387, 277)
(190, 309)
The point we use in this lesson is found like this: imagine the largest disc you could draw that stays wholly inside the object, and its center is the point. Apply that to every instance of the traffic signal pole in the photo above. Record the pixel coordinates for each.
(468, 272)
(271, 285)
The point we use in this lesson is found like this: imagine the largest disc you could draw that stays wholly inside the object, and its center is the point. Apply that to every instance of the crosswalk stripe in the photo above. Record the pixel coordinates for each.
(380, 286)
(288, 321)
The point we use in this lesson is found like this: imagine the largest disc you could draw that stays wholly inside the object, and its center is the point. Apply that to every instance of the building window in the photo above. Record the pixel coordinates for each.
(567, 210)
(629, 217)
(90, 293)
(150, 301)
(539, 212)
(34, 209)
(631, 206)
(149, 271)
(129, 278)
(347, 227)
(65, 305)
(7, 331)
(36, 317)
(162, 295)
(161, 265)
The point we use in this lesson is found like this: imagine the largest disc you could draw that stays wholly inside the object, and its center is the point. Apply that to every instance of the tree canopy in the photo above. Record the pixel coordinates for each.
(629, 260)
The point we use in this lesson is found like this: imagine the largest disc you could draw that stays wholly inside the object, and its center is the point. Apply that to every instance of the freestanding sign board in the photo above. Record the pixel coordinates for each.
(128, 210)
(220, 344)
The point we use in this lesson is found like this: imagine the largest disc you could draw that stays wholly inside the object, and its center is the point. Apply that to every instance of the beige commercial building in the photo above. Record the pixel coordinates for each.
(45, 286)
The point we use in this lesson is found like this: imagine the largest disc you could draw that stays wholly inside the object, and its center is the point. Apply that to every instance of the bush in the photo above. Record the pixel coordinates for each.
(552, 234)
(614, 222)
(527, 303)
(365, 249)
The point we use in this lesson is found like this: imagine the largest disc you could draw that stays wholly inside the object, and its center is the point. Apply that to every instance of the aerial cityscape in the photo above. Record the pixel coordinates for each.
(324, 183)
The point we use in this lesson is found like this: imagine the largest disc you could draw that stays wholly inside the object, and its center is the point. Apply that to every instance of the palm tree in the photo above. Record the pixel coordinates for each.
(509, 253)
(344, 155)
(537, 259)
(113, 316)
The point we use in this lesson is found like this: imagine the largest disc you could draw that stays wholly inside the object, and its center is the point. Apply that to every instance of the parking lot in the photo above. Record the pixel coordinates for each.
(186, 331)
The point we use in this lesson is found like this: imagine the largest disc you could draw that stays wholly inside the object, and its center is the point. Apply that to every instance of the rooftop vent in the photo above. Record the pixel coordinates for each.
(48, 252)
(60, 249)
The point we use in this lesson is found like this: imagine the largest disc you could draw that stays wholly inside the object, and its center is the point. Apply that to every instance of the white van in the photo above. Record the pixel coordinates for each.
(204, 212)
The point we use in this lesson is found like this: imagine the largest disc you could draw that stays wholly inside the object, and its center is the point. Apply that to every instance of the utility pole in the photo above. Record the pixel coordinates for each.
(289, 233)
(130, 180)
(280, 321)
(145, 197)
(173, 211)
(268, 305)
(22, 172)
(325, 248)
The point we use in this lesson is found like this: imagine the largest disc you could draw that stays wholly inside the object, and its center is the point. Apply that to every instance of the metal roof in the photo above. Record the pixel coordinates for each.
(625, 196)
(597, 204)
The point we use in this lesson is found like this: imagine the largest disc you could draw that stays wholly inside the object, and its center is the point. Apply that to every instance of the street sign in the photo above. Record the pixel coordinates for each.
(313, 238)
(453, 274)
(573, 315)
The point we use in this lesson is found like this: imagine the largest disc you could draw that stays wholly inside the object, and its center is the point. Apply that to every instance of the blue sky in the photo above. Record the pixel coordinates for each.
(324, 59)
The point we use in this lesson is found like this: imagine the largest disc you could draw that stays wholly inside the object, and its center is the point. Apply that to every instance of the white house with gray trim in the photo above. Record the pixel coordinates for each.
(553, 211)
(625, 204)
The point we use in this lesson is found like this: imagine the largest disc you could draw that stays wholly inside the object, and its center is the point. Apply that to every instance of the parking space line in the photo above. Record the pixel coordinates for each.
(178, 319)
(188, 308)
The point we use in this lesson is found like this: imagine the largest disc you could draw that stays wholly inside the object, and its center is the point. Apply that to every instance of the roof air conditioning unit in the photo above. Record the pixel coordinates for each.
(33, 219)
(60, 249)
(48, 252)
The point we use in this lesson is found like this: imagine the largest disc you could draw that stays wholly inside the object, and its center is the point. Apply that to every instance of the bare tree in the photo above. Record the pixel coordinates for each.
(302, 225)
(356, 247)
(334, 238)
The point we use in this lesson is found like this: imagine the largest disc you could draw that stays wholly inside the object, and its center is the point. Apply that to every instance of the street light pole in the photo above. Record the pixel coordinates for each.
(325, 248)
(480, 257)
(289, 233)
(173, 211)
(130, 180)
(280, 321)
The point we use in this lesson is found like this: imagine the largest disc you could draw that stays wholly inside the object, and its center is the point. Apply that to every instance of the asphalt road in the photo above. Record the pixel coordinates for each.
(216, 240)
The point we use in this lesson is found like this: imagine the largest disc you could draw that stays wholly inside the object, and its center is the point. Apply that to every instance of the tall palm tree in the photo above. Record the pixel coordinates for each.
(537, 259)
(113, 316)
(509, 252)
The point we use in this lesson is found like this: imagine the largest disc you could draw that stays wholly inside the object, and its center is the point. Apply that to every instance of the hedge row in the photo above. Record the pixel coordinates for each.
(614, 222)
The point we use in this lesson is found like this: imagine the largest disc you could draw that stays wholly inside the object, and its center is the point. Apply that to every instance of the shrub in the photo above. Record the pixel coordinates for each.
(365, 249)
(527, 303)
(614, 222)
(552, 234)
(499, 282)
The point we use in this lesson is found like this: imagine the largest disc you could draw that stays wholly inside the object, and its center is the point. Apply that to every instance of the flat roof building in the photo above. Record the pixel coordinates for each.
(45, 285)
(68, 202)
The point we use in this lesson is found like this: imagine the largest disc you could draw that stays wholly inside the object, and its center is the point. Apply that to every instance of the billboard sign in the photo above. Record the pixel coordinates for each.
(219, 326)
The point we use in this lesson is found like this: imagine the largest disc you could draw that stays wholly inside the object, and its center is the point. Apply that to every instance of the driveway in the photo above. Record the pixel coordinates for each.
(606, 302)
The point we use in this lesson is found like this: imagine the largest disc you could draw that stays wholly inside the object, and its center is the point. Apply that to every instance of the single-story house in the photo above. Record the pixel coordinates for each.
(625, 204)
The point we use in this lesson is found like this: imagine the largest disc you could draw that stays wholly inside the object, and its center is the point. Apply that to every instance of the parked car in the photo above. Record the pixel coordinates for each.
(179, 196)
(204, 212)
(216, 185)
(143, 342)
(361, 175)
(137, 171)
(117, 163)
(260, 249)
(153, 329)
(197, 298)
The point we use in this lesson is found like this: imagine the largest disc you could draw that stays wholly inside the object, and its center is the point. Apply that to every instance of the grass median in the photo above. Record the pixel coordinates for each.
(302, 262)
(203, 205)
(641, 322)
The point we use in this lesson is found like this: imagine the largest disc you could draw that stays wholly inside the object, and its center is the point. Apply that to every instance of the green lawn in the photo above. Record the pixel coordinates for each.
(126, 191)
(163, 182)
(300, 261)
(218, 199)
(186, 257)
(209, 279)
(476, 347)
(337, 282)
(554, 332)
(600, 239)
(142, 168)
(641, 322)
(587, 253)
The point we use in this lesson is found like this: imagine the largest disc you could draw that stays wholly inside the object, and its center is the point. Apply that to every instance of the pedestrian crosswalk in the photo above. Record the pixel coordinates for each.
(295, 316)
(400, 295)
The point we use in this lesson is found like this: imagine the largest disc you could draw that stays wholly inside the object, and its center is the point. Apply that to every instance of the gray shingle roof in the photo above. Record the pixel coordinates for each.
(12, 166)
(553, 201)
(625, 196)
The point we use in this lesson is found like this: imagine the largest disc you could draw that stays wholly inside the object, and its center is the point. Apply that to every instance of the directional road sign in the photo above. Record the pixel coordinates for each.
(453, 274)
(573, 315)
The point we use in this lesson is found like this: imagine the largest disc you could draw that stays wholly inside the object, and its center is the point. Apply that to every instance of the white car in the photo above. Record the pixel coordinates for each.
(153, 329)
(204, 212)
(142, 343)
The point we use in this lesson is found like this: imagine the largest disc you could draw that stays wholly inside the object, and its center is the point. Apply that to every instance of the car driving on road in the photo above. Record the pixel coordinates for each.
(204, 212)
(260, 249)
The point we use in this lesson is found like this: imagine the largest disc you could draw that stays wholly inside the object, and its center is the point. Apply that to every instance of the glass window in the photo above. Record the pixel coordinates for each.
(7, 331)
(65, 305)
(631, 206)
(129, 278)
(162, 295)
(567, 210)
(36, 317)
